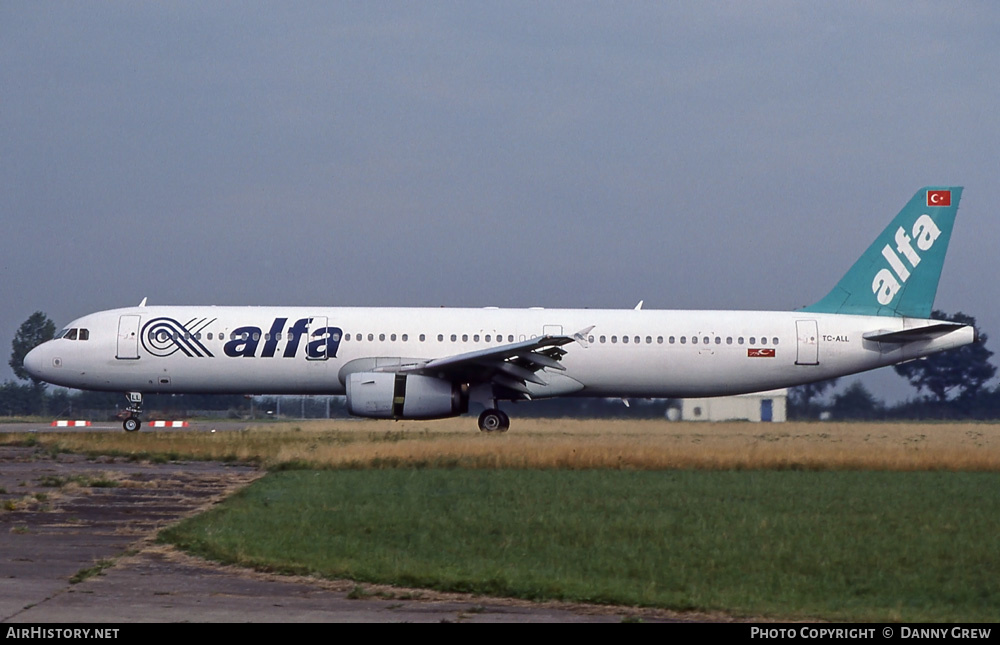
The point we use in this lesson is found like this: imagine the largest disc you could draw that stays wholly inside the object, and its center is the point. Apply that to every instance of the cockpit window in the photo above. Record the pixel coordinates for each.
(74, 334)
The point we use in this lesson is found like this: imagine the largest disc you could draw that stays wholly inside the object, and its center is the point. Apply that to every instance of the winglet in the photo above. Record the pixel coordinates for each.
(581, 336)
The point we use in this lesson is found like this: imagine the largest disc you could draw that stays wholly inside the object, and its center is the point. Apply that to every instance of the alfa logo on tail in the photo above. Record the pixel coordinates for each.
(888, 283)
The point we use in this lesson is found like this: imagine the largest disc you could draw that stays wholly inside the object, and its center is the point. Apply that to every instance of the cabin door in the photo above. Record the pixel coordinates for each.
(128, 338)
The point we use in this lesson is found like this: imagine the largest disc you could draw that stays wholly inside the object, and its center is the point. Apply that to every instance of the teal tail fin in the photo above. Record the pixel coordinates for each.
(898, 274)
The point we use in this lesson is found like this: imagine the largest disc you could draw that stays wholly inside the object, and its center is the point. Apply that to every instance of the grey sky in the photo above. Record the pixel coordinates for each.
(694, 155)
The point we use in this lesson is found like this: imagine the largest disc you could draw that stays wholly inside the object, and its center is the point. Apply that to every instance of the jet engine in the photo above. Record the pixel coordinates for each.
(388, 395)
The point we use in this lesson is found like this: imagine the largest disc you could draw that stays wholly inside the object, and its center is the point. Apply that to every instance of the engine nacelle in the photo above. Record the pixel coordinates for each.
(386, 395)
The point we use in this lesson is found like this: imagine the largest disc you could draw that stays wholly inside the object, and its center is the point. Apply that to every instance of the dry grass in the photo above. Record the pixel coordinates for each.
(648, 445)
(577, 444)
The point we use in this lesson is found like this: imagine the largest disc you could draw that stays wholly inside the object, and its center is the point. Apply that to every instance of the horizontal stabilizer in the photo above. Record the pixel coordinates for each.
(928, 332)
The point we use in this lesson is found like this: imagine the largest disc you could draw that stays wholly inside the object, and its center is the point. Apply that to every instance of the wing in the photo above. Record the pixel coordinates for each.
(509, 367)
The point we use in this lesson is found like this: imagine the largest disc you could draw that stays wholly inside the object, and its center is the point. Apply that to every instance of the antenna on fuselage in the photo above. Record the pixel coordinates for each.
(143, 303)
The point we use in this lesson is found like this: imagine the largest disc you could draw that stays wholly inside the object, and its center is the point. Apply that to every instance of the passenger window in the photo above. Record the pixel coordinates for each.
(614, 339)
(671, 340)
(624, 339)
(465, 338)
(488, 337)
(729, 340)
(603, 339)
(590, 339)
(775, 341)
(371, 337)
(659, 340)
(684, 340)
(718, 340)
(422, 338)
(740, 340)
(694, 340)
(454, 338)
(649, 340)
(753, 340)
(476, 338)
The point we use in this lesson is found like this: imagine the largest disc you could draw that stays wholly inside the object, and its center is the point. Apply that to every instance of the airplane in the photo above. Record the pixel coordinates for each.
(429, 363)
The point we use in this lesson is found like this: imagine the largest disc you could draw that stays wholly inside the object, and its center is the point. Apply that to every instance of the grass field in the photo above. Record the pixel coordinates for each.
(835, 545)
(836, 521)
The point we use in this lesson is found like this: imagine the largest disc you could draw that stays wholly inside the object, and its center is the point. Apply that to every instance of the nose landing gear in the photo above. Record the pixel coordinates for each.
(134, 409)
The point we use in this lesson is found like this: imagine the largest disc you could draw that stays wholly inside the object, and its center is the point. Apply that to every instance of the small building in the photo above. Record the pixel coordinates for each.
(758, 406)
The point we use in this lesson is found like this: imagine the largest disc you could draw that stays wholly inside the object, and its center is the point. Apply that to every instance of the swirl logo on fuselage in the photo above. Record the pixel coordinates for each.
(165, 337)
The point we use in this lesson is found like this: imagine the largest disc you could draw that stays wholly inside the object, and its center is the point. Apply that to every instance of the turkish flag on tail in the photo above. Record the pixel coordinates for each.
(939, 198)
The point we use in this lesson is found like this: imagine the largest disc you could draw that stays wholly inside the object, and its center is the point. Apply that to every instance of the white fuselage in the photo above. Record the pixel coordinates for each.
(625, 353)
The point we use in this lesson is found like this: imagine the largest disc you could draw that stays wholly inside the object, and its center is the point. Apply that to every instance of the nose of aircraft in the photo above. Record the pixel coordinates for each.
(33, 362)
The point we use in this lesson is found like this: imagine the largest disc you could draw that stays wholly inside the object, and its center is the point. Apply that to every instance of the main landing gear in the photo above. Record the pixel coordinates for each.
(494, 420)
(134, 409)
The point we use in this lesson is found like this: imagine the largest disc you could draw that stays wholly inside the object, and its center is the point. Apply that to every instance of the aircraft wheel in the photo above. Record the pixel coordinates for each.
(494, 421)
(131, 424)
